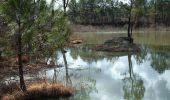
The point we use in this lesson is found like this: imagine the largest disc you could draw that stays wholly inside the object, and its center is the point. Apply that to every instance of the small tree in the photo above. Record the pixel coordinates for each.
(130, 26)
(20, 16)
(66, 31)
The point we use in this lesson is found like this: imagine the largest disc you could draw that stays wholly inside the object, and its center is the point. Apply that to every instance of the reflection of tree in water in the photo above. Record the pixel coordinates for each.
(142, 56)
(85, 89)
(84, 85)
(160, 61)
(159, 56)
(133, 85)
(89, 55)
(55, 76)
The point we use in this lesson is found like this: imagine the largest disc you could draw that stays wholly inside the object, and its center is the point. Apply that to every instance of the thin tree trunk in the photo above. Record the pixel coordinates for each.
(19, 41)
(130, 25)
(146, 24)
(155, 22)
(131, 72)
(129, 28)
(64, 57)
(0, 54)
(65, 62)
(20, 65)
(65, 4)
(130, 65)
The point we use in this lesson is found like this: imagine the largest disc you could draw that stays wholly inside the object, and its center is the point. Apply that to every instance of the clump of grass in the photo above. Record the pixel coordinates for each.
(41, 91)
(49, 90)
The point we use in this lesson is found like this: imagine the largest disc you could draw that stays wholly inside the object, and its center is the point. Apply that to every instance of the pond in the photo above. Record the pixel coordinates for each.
(116, 76)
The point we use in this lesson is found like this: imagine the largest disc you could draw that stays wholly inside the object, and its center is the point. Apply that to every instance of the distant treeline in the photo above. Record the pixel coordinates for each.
(116, 13)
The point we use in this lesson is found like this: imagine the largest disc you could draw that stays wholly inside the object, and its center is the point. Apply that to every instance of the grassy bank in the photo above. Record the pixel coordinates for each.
(140, 37)
(110, 28)
(9, 65)
(41, 91)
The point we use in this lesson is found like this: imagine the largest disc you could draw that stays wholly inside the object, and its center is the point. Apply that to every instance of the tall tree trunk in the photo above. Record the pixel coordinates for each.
(19, 41)
(65, 61)
(65, 4)
(130, 25)
(130, 65)
(155, 22)
(0, 54)
(146, 24)
(64, 56)
(20, 65)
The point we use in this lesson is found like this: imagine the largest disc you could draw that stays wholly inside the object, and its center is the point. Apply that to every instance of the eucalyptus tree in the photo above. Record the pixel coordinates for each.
(162, 12)
(96, 11)
(145, 5)
(83, 11)
(65, 5)
(138, 11)
(112, 10)
(73, 10)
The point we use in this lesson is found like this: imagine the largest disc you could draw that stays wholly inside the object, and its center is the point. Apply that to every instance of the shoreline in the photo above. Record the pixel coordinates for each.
(109, 29)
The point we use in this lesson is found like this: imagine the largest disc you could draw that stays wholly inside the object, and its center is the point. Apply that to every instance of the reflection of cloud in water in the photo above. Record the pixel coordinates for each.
(158, 91)
(119, 67)
(108, 89)
(109, 80)
(145, 71)
(79, 63)
(156, 85)
(165, 76)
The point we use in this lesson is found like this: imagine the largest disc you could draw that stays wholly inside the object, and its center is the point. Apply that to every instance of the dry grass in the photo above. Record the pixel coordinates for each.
(41, 91)
(8, 88)
(10, 65)
(17, 95)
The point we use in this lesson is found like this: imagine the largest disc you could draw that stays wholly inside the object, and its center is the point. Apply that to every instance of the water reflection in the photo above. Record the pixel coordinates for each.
(159, 57)
(102, 76)
(160, 61)
(133, 86)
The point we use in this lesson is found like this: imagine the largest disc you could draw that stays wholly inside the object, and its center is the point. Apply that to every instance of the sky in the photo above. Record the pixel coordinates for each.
(59, 2)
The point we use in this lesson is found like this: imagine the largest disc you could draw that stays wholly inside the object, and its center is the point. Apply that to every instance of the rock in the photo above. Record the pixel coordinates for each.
(78, 41)
(75, 40)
